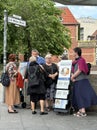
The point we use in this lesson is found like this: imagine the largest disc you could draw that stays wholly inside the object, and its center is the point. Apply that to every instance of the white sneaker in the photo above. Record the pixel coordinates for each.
(83, 114)
(80, 114)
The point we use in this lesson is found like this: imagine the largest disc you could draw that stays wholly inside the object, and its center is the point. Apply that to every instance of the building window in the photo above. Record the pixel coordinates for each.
(65, 53)
(96, 37)
(82, 34)
(61, 19)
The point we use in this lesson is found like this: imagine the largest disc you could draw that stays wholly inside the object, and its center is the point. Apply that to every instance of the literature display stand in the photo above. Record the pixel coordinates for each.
(62, 88)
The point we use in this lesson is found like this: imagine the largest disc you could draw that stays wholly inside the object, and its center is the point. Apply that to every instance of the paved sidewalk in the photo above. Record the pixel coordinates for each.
(24, 120)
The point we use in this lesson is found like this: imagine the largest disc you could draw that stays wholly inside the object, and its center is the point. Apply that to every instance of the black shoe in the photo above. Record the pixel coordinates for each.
(15, 111)
(34, 112)
(43, 113)
(12, 112)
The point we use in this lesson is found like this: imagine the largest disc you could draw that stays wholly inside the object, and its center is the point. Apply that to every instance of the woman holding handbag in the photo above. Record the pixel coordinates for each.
(12, 95)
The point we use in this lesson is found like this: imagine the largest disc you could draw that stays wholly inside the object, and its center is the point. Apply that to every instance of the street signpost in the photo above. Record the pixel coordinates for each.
(17, 20)
(17, 16)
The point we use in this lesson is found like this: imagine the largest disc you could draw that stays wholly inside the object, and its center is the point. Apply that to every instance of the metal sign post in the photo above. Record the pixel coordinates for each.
(17, 20)
(5, 40)
(4, 53)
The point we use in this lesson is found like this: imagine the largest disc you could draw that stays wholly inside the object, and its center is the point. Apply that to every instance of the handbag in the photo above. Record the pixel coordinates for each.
(5, 80)
(34, 77)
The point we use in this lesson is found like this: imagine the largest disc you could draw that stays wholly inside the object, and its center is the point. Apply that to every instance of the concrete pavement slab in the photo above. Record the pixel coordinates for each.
(24, 120)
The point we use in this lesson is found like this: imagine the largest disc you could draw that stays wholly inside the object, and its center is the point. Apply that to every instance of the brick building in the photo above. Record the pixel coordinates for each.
(71, 23)
(88, 47)
(88, 26)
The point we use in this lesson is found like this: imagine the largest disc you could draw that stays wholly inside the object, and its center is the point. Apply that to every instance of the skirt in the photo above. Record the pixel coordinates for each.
(37, 97)
(50, 92)
(12, 94)
(83, 94)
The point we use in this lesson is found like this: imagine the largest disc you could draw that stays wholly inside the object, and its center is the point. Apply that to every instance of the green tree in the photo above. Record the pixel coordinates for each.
(44, 30)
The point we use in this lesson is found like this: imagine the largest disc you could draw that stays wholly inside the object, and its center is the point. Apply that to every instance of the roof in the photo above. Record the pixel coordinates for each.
(77, 2)
(67, 17)
(95, 33)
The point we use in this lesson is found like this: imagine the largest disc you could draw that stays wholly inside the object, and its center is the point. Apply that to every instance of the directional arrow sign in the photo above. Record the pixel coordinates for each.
(16, 21)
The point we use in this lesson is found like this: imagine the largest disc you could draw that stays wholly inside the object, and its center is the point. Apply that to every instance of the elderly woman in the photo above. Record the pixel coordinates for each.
(51, 70)
(83, 93)
(36, 87)
(12, 95)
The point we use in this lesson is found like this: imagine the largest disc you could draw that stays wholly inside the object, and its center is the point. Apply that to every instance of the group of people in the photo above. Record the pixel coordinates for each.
(41, 75)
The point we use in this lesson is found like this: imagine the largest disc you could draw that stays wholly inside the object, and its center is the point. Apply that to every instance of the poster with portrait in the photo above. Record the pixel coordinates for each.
(65, 69)
(60, 104)
(64, 74)
(22, 68)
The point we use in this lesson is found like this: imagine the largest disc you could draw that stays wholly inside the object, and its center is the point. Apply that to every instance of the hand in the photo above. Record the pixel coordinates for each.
(72, 78)
(15, 74)
(52, 76)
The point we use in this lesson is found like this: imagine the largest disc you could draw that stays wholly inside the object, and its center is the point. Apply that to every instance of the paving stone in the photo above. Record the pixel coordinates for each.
(24, 120)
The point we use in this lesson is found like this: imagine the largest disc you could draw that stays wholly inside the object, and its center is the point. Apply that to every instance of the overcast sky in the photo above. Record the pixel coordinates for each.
(82, 11)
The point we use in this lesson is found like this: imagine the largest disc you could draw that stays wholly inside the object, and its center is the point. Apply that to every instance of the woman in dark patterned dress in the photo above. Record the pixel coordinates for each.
(51, 70)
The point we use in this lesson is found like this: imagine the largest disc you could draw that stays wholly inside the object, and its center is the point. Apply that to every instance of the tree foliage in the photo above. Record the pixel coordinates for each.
(44, 30)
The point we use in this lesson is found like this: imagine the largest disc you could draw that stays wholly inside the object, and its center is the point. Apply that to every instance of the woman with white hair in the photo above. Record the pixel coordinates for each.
(36, 87)
(51, 70)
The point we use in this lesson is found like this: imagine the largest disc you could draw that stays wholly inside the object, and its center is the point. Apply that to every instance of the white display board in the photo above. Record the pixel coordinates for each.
(62, 94)
(62, 88)
(22, 68)
(64, 74)
(60, 104)
(61, 84)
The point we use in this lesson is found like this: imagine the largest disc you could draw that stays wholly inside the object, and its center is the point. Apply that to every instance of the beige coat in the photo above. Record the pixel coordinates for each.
(12, 95)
